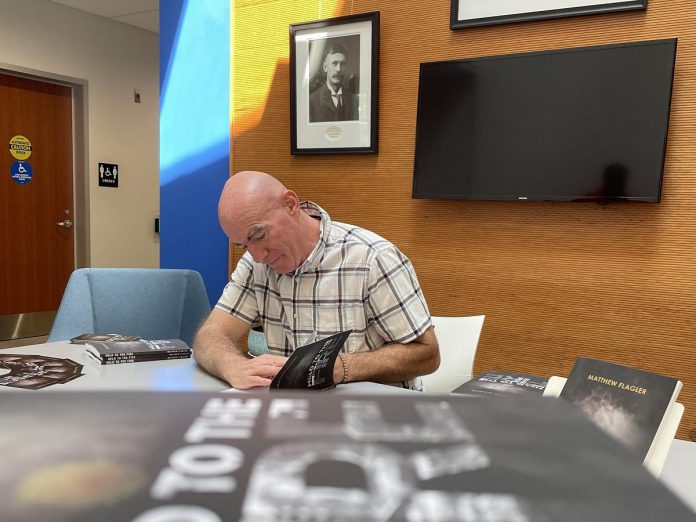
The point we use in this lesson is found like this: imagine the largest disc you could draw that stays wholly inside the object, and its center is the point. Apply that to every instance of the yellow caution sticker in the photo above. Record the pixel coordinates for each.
(20, 147)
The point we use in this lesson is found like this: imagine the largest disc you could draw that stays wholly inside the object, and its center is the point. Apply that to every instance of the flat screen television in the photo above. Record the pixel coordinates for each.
(573, 124)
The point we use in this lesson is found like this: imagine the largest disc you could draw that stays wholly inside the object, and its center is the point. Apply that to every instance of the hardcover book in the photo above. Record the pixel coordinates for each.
(627, 403)
(502, 383)
(132, 351)
(301, 456)
(311, 366)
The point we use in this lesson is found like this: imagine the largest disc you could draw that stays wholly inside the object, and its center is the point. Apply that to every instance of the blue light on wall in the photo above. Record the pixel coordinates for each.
(194, 136)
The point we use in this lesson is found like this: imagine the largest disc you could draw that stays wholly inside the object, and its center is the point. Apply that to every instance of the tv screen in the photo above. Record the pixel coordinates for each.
(573, 124)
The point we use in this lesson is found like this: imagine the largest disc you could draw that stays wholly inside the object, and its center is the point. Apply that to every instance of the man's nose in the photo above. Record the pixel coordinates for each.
(258, 253)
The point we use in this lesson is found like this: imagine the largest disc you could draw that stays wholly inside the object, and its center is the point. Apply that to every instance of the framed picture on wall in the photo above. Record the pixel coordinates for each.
(471, 13)
(334, 85)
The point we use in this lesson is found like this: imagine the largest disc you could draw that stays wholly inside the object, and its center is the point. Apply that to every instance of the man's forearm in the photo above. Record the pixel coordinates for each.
(392, 363)
(216, 352)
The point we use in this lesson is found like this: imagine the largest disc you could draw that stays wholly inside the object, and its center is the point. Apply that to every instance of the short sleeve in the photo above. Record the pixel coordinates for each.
(238, 298)
(395, 302)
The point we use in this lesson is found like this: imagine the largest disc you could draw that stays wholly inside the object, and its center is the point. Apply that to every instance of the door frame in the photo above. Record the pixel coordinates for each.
(39, 323)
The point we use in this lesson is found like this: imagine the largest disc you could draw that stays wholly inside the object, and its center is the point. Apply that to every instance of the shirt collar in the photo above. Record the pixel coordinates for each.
(334, 93)
(312, 262)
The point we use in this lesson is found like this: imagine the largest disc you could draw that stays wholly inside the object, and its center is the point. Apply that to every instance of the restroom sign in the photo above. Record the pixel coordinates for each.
(108, 175)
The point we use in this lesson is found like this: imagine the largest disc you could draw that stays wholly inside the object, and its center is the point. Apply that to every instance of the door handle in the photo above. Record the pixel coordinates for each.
(67, 223)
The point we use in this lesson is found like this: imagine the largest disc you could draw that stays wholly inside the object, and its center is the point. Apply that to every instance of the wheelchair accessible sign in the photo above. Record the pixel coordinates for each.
(21, 172)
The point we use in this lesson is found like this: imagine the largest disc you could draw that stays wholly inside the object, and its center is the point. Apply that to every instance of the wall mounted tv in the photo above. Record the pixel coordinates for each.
(572, 124)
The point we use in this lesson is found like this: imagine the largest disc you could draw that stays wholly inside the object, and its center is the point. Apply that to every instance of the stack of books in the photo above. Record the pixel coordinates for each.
(128, 351)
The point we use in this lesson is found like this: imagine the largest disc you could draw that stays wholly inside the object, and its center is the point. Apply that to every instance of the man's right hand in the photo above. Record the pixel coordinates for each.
(245, 373)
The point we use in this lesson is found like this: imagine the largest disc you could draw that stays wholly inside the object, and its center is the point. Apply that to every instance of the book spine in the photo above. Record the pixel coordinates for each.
(146, 356)
(117, 360)
(158, 353)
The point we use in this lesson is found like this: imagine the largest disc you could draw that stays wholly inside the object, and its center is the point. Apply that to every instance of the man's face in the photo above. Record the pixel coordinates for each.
(268, 237)
(335, 69)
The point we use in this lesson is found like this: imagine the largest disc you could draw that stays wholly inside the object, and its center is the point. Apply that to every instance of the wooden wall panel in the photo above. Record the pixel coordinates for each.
(555, 280)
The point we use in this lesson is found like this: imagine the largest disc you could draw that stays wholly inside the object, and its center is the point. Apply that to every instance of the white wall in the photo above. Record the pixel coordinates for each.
(114, 59)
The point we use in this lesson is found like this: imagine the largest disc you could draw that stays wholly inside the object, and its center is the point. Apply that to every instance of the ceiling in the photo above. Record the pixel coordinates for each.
(140, 13)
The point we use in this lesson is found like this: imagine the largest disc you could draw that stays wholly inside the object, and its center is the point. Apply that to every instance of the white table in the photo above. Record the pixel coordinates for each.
(172, 374)
(679, 472)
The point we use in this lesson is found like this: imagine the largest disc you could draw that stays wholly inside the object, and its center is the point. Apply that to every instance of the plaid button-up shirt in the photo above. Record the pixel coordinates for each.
(353, 279)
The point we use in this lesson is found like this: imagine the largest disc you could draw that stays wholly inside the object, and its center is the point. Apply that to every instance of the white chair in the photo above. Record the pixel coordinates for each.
(657, 454)
(458, 338)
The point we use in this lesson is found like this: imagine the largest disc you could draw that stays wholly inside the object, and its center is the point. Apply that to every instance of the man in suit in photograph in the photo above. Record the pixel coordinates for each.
(333, 100)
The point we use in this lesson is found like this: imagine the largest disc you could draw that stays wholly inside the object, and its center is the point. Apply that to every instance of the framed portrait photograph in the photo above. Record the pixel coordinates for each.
(472, 13)
(334, 85)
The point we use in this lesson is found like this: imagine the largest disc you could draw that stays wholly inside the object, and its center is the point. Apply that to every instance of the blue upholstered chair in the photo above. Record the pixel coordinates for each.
(256, 342)
(151, 303)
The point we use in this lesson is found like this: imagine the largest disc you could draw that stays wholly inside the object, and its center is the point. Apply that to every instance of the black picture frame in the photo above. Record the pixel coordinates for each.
(320, 122)
(473, 13)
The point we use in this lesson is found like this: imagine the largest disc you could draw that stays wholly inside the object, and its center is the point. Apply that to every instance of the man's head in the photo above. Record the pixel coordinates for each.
(335, 65)
(259, 213)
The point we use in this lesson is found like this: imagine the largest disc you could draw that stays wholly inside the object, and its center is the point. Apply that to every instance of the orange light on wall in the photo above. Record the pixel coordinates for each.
(260, 53)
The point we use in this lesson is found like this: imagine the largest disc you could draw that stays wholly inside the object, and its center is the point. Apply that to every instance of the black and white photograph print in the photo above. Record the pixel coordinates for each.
(472, 13)
(334, 84)
(334, 71)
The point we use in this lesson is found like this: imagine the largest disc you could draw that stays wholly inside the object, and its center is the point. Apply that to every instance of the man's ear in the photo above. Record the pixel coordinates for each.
(291, 201)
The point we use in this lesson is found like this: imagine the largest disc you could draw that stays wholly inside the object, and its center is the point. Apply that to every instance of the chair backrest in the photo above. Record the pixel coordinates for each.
(148, 302)
(458, 338)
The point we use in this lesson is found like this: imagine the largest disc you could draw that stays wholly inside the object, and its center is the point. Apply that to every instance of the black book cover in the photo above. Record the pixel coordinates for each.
(301, 456)
(626, 402)
(139, 347)
(311, 366)
(503, 383)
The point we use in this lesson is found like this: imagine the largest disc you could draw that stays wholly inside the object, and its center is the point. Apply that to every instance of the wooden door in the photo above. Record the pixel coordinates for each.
(36, 193)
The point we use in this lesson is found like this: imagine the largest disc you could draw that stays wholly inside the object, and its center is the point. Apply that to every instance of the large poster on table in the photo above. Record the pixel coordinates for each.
(267, 456)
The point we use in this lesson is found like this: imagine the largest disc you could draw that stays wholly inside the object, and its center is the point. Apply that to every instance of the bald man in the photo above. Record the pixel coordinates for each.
(304, 276)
